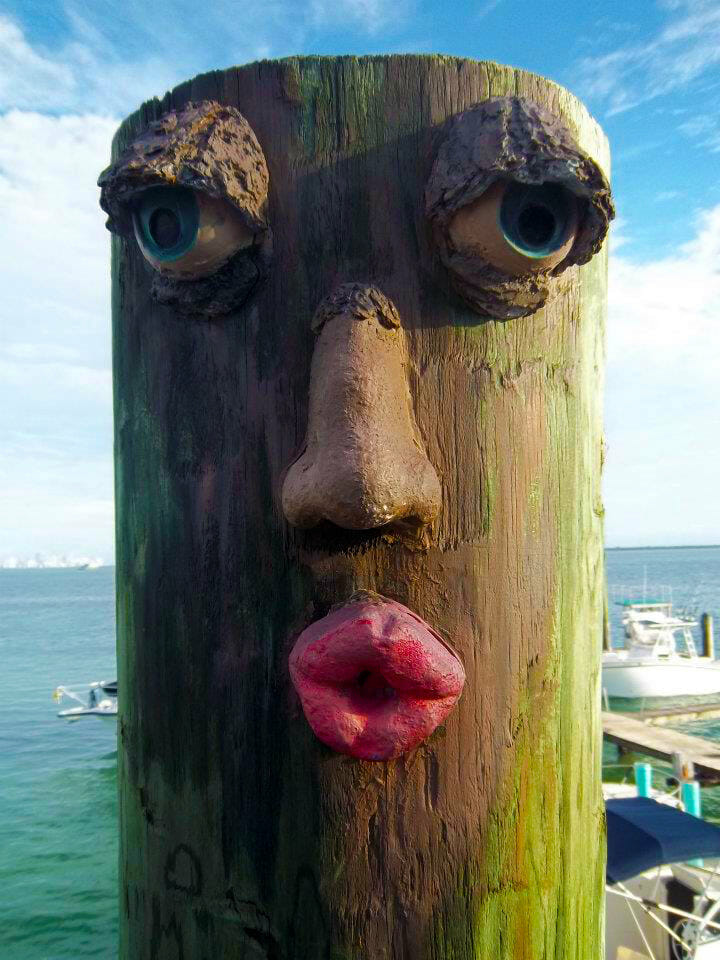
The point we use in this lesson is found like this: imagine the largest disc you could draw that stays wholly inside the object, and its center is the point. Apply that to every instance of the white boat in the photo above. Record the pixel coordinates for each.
(653, 662)
(101, 700)
(662, 900)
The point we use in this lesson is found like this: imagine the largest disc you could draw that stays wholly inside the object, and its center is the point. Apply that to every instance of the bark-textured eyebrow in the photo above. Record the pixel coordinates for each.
(206, 146)
(510, 138)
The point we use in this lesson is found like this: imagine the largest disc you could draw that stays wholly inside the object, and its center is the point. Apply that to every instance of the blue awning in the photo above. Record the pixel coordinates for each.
(642, 833)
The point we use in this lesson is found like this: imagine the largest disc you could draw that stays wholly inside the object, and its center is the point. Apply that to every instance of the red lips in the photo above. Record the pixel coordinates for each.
(374, 679)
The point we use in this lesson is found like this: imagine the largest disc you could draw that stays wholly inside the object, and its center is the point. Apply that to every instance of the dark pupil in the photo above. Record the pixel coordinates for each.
(164, 227)
(536, 225)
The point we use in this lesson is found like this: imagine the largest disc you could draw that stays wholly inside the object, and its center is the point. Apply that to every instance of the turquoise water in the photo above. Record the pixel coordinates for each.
(58, 808)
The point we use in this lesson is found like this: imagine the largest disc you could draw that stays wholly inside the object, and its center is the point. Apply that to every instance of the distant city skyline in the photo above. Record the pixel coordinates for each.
(650, 73)
(41, 561)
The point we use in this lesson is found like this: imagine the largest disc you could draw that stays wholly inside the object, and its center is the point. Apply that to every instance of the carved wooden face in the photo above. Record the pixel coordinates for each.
(357, 337)
(348, 292)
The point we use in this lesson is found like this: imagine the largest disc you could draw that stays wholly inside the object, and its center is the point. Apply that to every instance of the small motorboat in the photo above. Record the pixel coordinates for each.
(658, 657)
(100, 701)
(662, 877)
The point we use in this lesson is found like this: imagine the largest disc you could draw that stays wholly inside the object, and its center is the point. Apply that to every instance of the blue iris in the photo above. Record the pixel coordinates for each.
(166, 221)
(535, 219)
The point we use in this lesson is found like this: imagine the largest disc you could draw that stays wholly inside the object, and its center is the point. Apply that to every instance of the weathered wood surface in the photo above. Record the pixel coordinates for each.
(638, 736)
(242, 836)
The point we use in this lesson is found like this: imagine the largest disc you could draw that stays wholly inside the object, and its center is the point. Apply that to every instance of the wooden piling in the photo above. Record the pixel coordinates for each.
(241, 834)
(607, 636)
(706, 629)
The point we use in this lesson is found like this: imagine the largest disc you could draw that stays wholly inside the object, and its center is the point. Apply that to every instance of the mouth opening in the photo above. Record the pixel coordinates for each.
(374, 679)
(373, 686)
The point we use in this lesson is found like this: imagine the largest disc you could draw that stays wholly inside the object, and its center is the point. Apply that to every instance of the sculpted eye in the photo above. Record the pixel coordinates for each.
(513, 201)
(191, 189)
(185, 233)
(516, 227)
(539, 222)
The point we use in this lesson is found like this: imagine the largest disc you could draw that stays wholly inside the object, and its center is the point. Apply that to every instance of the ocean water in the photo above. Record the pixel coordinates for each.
(58, 806)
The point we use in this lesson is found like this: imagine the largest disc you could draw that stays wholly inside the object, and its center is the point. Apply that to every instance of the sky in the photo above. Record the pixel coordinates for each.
(649, 70)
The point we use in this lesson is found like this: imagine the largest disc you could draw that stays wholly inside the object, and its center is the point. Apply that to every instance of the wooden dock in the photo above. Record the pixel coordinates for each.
(706, 711)
(634, 735)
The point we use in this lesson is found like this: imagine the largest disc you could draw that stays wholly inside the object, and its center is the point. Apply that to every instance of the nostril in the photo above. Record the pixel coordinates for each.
(332, 495)
(327, 537)
(412, 526)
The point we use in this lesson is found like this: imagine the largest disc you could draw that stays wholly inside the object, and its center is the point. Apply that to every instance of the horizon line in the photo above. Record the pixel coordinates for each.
(670, 546)
(673, 546)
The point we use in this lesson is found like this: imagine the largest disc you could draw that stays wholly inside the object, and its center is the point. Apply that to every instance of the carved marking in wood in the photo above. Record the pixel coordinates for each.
(183, 870)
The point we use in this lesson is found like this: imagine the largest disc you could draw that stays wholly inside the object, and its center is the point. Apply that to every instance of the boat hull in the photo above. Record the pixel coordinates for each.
(671, 678)
(75, 712)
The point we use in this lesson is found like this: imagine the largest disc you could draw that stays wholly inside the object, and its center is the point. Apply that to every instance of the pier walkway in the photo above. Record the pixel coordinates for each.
(662, 715)
(634, 735)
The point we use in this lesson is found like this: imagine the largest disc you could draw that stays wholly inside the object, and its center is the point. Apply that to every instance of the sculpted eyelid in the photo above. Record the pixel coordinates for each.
(512, 201)
(191, 190)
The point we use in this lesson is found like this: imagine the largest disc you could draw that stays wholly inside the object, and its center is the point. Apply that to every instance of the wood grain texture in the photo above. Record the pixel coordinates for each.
(242, 836)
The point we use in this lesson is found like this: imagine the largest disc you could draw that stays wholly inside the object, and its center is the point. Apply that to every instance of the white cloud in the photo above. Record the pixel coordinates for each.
(685, 49)
(54, 248)
(663, 406)
(705, 129)
(618, 234)
(18, 375)
(370, 15)
(26, 72)
(38, 352)
(57, 489)
(73, 77)
(110, 62)
(36, 520)
(487, 8)
(673, 302)
(55, 382)
(55, 389)
(55, 410)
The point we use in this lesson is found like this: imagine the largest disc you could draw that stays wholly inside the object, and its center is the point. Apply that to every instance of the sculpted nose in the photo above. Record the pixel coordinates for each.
(363, 465)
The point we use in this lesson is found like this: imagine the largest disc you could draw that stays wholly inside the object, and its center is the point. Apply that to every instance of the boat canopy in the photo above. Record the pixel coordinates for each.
(642, 834)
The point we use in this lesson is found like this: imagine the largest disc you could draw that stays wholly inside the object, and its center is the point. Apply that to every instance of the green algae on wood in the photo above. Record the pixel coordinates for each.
(241, 835)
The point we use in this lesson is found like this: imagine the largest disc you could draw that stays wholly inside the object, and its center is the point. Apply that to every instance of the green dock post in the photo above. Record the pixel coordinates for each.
(607, 635)
(643, 778)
